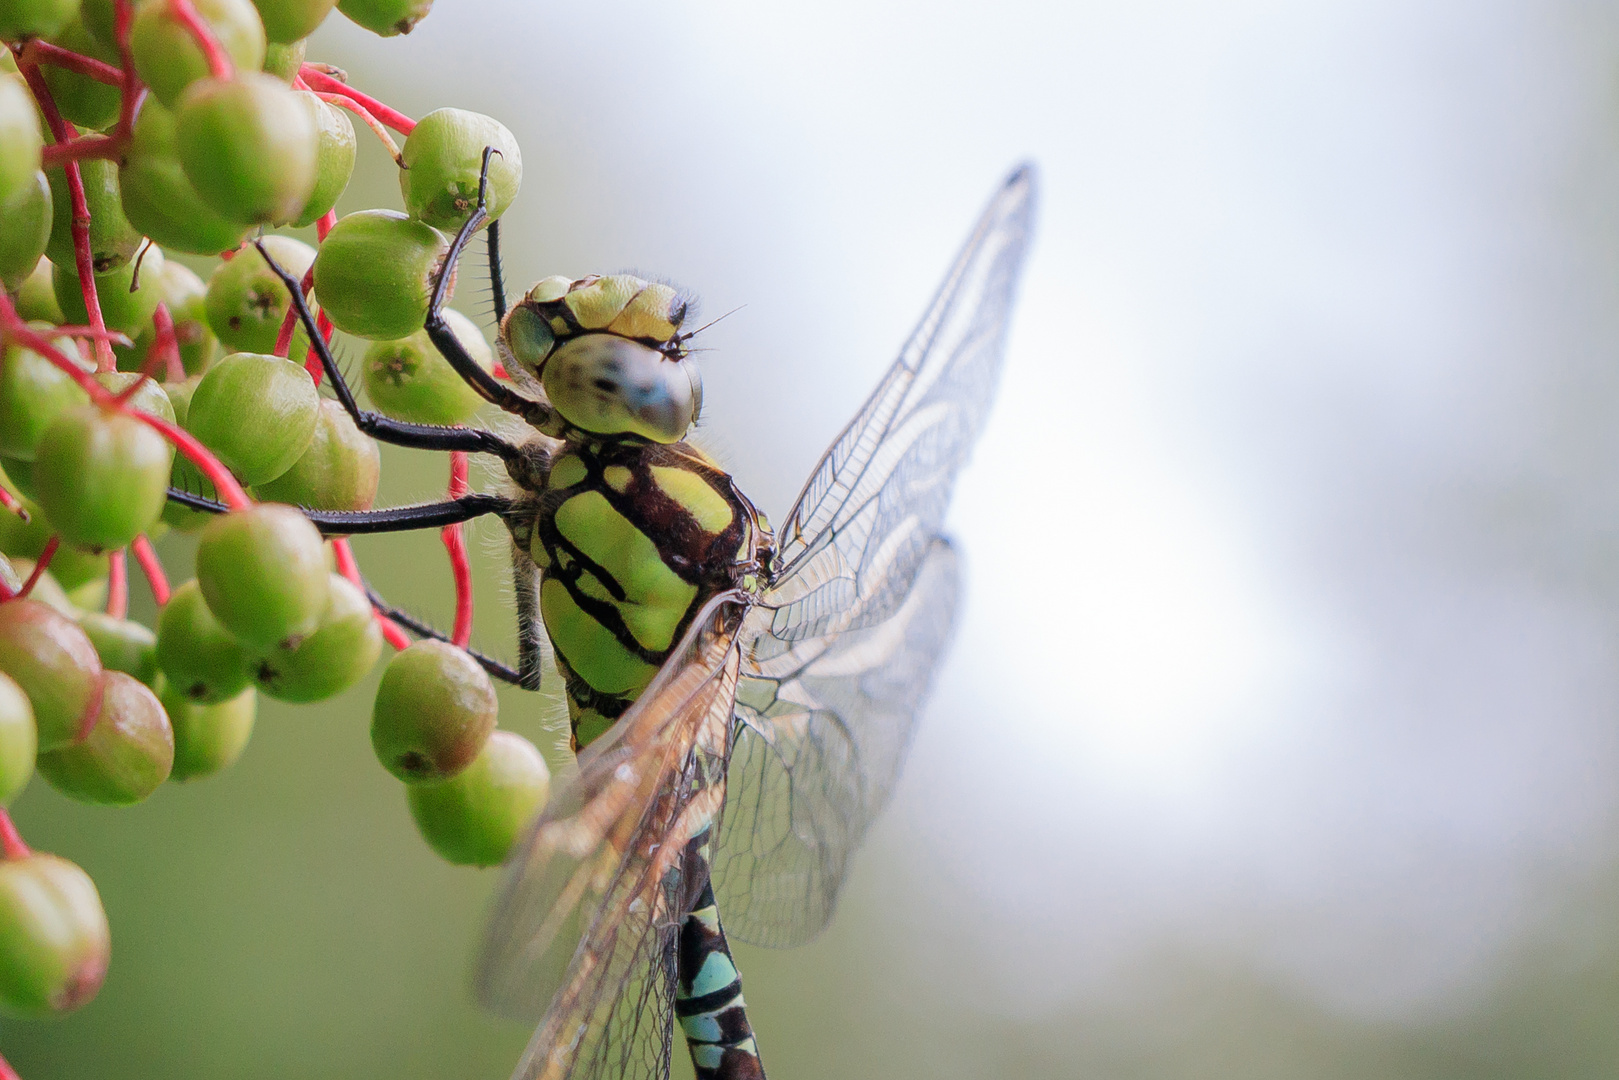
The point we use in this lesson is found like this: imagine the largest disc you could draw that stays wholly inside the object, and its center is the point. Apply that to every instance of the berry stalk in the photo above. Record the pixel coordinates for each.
(11, 843)
(39, 51)
(9, 502)
(40, 565)
(152, 567)
(117, 584)
(320, 78)
(455, 543)
(350, 569)
(219, 63)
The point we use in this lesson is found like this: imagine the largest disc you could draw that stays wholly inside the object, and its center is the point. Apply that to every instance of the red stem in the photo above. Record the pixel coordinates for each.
(455, 542)
(152, 567)
(219, 64)
(6, 1071)
(117, 584)
(43, 52)
(289, 321)
(165, 345)
(320, 80)
(9, 501)
(229, 490)
(11, 846)
(349, 568)
(6, 592)
(366, 117)
(45, 557)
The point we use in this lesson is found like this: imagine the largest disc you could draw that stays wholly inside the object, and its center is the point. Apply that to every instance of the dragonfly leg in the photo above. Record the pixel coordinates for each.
(708, 991)
(393, 519)
(383, 428)
(526, 590)
(494, 667)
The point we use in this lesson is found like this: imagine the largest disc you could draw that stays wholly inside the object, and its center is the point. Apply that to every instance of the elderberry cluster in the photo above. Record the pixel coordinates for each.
(132, 128)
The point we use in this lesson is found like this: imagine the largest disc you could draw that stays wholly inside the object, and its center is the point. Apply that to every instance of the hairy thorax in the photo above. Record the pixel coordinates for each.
(631, 539)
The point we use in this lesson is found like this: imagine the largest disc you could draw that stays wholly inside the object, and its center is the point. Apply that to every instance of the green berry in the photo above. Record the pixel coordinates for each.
(33, 393)
(283, 59)
(474, 818)
(101, 19)
(159, 200)
(102, 476)
(127, 754)
(290, 20)
(81, 99)
(338, 471)
(20, 137)
(248, 147)
(185, 475)
(25, 229)
(49, 656)
(208, 738)
(167, 55)
(200, 658)
(127, 295)
(53, 936)
(256, 412)
(374, 273)
(21, 19)
(27, 539)
(386, 17)
(113, 240)
(263, 573)
(36, 299)
(443, 159)
(408, 380)
(246, 302)
(123, 645)
(148, 397)
(335, 163)
(184, 295)
(342, 649)
(434, 711)
(19, 740)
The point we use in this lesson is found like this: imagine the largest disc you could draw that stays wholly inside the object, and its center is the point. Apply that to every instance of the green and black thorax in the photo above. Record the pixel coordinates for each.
(632, 529)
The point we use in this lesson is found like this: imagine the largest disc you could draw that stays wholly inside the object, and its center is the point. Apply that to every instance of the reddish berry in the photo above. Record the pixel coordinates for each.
(53, 936)
(49, 656)
(127, 754)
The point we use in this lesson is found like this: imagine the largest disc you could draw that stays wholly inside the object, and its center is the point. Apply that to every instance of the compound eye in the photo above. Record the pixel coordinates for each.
(609, 386)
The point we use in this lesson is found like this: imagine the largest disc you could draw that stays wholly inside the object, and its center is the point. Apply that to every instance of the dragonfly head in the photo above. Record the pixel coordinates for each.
(608, 352)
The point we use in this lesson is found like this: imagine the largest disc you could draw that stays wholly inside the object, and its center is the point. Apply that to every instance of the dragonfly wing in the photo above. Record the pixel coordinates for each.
(868, 516)
(583, 932)
(822, 726)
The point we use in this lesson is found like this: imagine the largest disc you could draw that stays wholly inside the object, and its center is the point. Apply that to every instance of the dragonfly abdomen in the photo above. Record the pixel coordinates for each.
(708, 997)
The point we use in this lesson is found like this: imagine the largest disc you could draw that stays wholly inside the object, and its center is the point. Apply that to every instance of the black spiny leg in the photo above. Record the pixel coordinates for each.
(538, 414)
(394, 519)
(423, 630)
(526, 586)
(497, 280)
(382, 428)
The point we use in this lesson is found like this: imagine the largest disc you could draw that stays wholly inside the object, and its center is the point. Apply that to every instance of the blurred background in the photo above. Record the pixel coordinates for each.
(1281, 735)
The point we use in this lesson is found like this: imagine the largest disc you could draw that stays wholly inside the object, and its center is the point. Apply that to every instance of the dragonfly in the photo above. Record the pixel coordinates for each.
(740, 697)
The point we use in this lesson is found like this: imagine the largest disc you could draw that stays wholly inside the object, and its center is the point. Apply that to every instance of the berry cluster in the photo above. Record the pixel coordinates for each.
(131, 128)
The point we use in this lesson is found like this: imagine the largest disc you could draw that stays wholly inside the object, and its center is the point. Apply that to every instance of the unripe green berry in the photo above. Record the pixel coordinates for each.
(408, 380)
(20, 137)
(101, 19)
(256, 412)
(263, 573)
(127, 295)
(290, 20)
(248, 147)
(21, 19)
(208, 738)
(374, 273)
(338, 471)
(49, 656)
(33, 393)
(53, 936)
(36, 299)
(123, 645)
(185, 296)
(474, 818)
(169, 58)
(159, 200)
(148, 396)
(27, 539)
(113, 240)
(342, 649)
(101, 476)
(202, 660)
(283, 59)
(335, 164)
(246, 301)
(443, 158)
(127, 754)
(25, 229)
(81, 99)
(434, 711)
(19, 740)
(386, 17)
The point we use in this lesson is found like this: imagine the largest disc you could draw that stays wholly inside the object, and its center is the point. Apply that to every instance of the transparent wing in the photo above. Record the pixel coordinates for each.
(583, 932)
(851, 544)
(821, 727)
